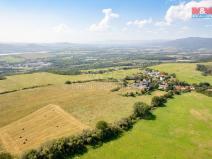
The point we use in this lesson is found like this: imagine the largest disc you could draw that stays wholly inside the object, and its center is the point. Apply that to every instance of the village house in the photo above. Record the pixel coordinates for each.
(163, 86)
(144, 84)
(183, 88)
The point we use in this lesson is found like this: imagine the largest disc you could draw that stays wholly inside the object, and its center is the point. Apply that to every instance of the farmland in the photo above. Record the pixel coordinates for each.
(182, 130)
(184, 71)
(37, 127)
(43, 78)
(86, 102)
(25, 113)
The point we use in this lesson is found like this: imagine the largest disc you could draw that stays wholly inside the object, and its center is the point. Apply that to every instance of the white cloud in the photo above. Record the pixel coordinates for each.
(104, 24)
(183, 11)
(140, 23)
(62, 28)
(161, 23)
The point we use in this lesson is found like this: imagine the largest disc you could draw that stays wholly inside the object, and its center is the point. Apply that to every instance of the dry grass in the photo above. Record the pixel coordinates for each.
(88, 102)
(44, 124)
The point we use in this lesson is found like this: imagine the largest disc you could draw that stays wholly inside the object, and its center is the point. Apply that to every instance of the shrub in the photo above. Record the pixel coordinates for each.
(32, 154)
(2, 78)
(140, 109)
(158, 101)
(124, 124)
(5, 155)
(101, 125)
(68, 82)
(169, 94)
(115, 89)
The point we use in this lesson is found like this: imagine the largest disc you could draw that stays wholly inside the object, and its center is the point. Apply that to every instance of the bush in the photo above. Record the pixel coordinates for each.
(32, 154)
(169, 94)
(115, 89)
(140, 109)
(5, 155)
(124, 124)
(101, 125)
(68, 82)
(2, 78)
(158, 101)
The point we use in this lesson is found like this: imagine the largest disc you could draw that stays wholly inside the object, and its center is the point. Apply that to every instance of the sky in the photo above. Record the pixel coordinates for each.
(85, 21)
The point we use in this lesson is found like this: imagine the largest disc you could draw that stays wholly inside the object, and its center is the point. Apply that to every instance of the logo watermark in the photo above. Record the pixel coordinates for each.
(201, 12)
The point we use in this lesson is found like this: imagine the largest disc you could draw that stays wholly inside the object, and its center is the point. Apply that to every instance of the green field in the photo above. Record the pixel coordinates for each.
(185, 72)
(29, 80)
(11, 59)
(182, 130)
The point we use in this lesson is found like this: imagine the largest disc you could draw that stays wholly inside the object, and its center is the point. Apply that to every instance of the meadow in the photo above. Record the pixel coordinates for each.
(28, 80)
(181, 130)
(87, 103)
(185, 72)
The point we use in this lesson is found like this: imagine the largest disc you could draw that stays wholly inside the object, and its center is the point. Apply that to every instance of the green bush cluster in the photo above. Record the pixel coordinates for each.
(204, 88)
(159, 101)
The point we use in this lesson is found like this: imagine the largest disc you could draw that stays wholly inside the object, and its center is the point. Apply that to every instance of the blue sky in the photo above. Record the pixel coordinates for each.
(100, 20)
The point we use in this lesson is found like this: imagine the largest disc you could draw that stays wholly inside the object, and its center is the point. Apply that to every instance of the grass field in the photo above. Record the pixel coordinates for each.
(89, 102)
(185, 72)
(29, 80)
(181, 130)
(34, 129)
(86, 102)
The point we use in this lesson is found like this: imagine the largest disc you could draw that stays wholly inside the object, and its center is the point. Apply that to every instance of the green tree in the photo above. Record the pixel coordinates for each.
(141, 109)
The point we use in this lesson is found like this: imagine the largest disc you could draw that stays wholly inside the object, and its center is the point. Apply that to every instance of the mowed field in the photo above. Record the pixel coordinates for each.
(185, 72)
(181, 130)
(45, 124)
(28, 80)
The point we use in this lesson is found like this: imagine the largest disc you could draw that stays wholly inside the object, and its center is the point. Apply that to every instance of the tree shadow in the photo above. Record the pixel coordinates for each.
(150, 116)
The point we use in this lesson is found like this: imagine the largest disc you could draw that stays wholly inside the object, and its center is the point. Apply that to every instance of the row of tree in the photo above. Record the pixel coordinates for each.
(206, 70)
(204, 88)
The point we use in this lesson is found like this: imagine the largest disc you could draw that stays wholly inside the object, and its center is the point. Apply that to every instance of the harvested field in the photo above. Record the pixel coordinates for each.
(45, 124)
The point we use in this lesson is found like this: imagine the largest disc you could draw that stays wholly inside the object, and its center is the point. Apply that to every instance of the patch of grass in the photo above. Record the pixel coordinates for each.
(29, 80)
(185, 72)
(177, 133)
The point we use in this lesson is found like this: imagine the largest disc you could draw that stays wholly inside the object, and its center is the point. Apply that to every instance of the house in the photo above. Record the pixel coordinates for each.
(143, 84)
(183, 88)
(163, 86)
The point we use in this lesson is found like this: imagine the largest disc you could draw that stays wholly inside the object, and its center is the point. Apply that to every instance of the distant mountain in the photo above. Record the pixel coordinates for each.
(192, 43)
(33, 47)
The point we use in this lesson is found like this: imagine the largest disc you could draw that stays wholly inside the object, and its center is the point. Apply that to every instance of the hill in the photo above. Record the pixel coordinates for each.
(192, 43)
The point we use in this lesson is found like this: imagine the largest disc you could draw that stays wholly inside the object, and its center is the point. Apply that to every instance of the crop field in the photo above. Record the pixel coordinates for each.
(29, 80)
(185, 72)
(181, 130)
(42, 125)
